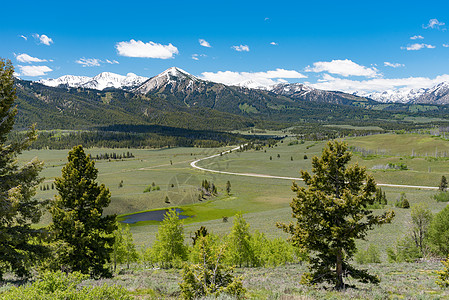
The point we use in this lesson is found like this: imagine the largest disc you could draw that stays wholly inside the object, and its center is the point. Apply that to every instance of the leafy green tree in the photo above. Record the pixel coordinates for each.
(331, 213)
(421, 219)
(169, 249)
(239, 243)
(18, 209)
(438, 233)
(83, 236)
(443, 184)
(124, 247)
(209, 277)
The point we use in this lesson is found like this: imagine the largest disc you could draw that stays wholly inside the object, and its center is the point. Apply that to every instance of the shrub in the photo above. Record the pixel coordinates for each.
(59, 286)
(443, 275)
(441, 197)
(368, 256)
(406, 251)
(209, 277)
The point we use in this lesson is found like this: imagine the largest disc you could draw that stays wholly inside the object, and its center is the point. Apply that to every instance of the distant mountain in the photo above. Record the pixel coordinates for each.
(438, 94)
(303, 92)
(100, 82)
(403, 95)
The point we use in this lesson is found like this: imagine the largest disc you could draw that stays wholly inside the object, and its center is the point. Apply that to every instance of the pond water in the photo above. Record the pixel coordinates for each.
(154, 215)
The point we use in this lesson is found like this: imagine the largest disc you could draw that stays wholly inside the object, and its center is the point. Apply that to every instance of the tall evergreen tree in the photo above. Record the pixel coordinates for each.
(331, 214)
(443, 184)
(18, 209)
(84, 237)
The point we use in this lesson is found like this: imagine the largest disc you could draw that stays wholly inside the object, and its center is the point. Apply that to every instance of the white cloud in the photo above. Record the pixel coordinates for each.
(89, 62)
(259, 78)
(241, 48)
(204, 43)
(112, 62)
(344, 67)
(393, 65)
(34, 70)
(274, 43)
(417, 37)
(434, 23)
(25, 58)
(197, 56)
(24, 37)
(415, 47)
(329, 82)
(445, 45)
(43, 39)
(148, 50)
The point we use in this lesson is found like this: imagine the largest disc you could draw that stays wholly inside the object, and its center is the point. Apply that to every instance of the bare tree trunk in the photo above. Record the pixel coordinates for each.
(339, 285)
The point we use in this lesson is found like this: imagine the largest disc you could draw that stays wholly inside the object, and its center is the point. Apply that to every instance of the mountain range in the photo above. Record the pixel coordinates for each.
(178, 82)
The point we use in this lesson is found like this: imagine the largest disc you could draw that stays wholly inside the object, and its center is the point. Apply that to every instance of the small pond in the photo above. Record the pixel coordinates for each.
(154, 215)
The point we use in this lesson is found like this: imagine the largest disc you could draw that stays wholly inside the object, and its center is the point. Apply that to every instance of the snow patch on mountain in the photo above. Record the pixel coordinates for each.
(100, 82)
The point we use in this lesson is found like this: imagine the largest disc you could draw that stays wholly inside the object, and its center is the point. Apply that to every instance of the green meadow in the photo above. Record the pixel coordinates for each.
(264, 201)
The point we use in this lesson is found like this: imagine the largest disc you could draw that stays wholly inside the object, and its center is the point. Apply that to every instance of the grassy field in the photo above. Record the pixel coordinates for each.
(264, 201)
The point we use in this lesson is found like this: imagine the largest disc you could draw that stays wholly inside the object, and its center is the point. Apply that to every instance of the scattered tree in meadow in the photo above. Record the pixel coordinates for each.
(83, 236)
(228, 187)
(331, 213)
(443, 184)
(18, 209)
(402, 202)
(169, 249)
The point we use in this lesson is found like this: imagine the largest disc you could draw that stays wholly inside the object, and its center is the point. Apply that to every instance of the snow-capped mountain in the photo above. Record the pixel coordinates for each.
(438, 94)
(173, 77)
(100, 82)
(299, 91)
(403, 95)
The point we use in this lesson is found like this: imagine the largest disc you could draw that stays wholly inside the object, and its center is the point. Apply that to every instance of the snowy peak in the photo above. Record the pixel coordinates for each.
(99, 82)
(403, 95)
(173, 77)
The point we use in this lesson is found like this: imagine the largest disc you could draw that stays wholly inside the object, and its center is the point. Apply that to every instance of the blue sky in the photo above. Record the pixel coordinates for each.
(337, 45)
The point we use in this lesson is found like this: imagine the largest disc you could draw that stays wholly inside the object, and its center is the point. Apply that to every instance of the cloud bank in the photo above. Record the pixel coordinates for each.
(146, 50)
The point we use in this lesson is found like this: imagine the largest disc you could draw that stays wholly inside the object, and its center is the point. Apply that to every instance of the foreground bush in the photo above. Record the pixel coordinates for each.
(209, 277)
(58, 285)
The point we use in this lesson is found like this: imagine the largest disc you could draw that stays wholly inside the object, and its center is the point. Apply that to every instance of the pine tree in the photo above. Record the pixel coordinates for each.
(228, 187)
(18, 209)
(331, 213)
(443, 184)
(84, 237)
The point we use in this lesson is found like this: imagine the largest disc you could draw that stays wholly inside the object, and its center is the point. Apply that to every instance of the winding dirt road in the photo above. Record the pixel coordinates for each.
(193, 165)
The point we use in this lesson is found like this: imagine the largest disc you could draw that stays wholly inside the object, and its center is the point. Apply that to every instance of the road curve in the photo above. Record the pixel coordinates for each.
(193, 165)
